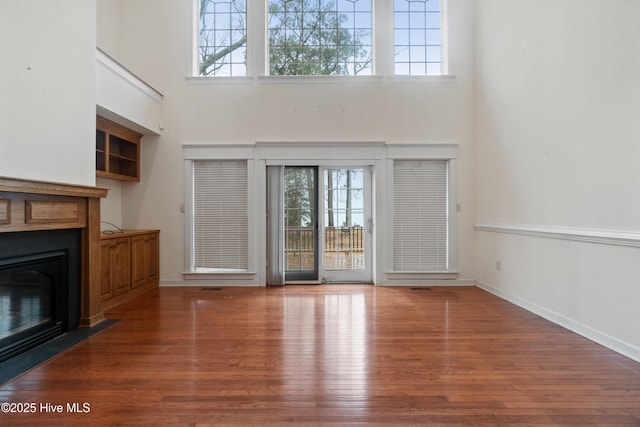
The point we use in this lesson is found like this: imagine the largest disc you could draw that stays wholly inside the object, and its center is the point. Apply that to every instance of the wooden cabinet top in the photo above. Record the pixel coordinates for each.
(114, 128)
(115, 234)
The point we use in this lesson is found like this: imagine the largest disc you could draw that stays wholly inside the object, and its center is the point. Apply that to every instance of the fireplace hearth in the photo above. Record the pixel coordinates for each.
(39, 288)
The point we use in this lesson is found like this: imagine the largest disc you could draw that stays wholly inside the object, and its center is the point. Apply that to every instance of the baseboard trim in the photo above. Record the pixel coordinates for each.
(423, 282)
(607, 237)
(594, 335)
(428, 282)
(207, 282)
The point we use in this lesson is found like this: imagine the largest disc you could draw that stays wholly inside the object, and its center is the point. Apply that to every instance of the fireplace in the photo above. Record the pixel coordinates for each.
(49, 261)
(39, 288)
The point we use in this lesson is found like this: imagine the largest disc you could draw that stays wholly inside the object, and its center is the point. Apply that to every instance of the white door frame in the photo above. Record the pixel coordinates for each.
(275, 236)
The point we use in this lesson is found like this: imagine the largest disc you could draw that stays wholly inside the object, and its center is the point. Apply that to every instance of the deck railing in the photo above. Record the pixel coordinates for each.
(337, 239)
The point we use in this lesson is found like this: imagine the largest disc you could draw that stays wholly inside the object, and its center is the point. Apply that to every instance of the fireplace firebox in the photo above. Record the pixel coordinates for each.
(39, 288)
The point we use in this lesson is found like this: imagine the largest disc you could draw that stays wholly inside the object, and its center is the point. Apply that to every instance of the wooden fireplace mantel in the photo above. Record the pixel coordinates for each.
(51, 188)
(27, 205)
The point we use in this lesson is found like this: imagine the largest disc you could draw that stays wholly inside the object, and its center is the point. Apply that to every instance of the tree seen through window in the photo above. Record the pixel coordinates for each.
(305, 37)
(222, 36)
(319, 37)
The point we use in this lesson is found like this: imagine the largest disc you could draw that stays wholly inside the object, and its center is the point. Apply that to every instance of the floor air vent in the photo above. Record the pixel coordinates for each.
(420, 289)
(210, 289)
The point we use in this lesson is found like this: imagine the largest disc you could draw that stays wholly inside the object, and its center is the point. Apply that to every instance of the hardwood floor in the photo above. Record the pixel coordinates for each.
(330, 354)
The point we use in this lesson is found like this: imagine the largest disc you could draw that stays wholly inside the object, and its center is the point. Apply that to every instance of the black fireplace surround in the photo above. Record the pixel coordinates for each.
(39, 288)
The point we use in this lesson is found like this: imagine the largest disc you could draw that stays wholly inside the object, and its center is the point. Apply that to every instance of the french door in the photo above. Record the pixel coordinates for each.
(326, 231)
(346, 225)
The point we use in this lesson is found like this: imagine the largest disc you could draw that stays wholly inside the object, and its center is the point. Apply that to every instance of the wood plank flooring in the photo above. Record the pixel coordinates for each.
(330, 354)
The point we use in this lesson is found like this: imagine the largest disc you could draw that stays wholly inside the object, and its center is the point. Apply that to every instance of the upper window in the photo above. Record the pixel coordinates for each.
(418, 37)
(222, 38)
(319, 37)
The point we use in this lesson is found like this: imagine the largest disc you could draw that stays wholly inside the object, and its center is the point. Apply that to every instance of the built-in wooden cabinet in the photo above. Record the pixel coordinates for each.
(117, 151)
(129, 265)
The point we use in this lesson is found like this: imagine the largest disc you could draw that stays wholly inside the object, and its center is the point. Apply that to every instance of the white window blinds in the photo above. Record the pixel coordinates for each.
(220, 223)
(420, 225)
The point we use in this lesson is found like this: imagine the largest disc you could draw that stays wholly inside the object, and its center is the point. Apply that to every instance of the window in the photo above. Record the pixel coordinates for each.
(418, 37)
(222, 36)
(319, 37)
(220, 215)
(420, 220)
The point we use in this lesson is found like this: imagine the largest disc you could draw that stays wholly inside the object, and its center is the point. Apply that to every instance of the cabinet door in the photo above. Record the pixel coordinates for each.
(145, 259)
(153, 249)
(106, 290)
(138, 274)
(121, 265)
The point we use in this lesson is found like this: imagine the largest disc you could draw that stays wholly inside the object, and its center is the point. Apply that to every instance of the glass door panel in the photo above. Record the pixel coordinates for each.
(345, 224)
(301, 223)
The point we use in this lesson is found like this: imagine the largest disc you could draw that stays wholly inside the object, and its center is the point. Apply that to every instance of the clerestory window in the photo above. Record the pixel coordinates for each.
(320, 37)
(222, 32)
(418, 37)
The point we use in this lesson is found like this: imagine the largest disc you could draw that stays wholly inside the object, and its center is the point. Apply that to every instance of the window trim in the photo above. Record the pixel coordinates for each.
(410, 151)
(235, 152)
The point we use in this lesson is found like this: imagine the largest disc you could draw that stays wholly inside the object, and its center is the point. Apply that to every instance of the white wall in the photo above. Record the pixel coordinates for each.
(158, 46)
(121, 97)
(558, 142)
(47, 90)
(111, 206)
(108, 18)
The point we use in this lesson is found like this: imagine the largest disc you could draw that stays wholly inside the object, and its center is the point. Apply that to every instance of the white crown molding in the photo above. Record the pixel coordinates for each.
(607, 237)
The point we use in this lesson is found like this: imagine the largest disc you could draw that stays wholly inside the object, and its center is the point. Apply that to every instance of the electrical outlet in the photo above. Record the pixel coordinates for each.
(498, 265)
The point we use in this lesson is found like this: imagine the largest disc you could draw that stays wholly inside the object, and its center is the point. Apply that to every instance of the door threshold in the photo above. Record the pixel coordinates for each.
(303, 282)
(318, 282)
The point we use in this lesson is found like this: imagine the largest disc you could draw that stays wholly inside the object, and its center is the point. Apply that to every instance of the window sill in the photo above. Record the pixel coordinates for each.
(218, 274)
(442, 78)
(319, 79)
(417, 275)
(294, 80)
(207, 80)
